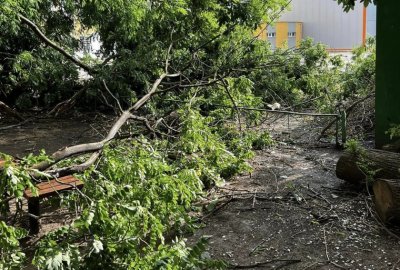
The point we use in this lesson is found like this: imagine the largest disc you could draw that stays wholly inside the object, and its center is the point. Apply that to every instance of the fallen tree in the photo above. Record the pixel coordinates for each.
(97, 146)
(135, 193)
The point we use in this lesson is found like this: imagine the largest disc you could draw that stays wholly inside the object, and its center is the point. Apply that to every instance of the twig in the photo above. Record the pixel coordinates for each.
(326, 247)
(257, 246)
(148, 126)
(217, 208)
(328, 260)
(67, 104)
(380, 223)
(52, 215)
(348, 111)
(225, 85)
(262, 264)
(112, 95)
(317, 194)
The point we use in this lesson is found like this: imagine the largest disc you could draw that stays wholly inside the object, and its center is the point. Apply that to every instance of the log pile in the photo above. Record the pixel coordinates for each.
(386, 175)
(384, 164)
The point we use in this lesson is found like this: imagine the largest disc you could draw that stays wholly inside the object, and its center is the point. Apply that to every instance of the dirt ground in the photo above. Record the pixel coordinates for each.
(290, 213)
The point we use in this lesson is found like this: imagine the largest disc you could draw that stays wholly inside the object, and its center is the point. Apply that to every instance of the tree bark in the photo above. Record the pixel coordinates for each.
(387, 199)
(384, 165)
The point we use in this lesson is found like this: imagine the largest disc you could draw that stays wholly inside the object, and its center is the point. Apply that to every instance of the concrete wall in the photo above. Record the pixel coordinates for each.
(326, 22)
(371, 20)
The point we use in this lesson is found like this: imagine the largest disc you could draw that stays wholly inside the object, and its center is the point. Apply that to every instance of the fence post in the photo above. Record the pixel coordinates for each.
(343, 124)
(338, 117)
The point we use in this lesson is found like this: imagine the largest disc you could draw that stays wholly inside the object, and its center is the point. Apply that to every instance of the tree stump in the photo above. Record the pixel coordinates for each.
(387, 199)
(385, 164)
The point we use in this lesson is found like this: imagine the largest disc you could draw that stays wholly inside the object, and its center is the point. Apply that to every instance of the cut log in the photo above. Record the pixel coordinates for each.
(385, 164)
(387, 199)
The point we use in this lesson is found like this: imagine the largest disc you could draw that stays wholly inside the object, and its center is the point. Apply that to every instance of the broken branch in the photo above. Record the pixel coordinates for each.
(52, 44)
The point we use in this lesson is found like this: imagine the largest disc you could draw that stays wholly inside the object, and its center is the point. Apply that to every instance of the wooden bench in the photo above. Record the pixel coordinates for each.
(47, 189)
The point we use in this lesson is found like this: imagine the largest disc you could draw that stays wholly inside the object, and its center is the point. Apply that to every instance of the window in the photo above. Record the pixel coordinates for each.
(85, 44)
(271, 34)
(292, 34)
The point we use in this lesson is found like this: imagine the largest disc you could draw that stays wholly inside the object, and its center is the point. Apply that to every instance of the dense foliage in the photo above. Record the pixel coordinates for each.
(206, 37)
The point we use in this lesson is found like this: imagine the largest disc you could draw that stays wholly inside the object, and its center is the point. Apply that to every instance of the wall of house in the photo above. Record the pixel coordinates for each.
(284, 34)
(326, 22)
(371, 20)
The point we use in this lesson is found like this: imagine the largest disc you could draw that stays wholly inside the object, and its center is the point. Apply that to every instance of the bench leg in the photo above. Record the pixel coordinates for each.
(7, 204)
(34, 209)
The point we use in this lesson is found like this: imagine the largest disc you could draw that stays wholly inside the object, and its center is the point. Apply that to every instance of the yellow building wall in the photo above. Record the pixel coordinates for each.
(299, 33)
(281, 34)
(80, 31)
(261, 32)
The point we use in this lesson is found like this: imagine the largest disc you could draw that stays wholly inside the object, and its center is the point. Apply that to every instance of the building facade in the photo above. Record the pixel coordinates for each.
(325, 22)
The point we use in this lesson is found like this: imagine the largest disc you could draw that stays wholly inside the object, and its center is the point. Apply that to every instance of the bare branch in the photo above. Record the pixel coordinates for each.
(67, 104)
(78, 167)
(52, 44)
(348, 111)
(167, 58)
(95, 146)
(111, 94)
(98, 146)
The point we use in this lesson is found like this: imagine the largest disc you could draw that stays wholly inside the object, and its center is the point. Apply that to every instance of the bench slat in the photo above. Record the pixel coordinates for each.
(59, 187)
(48, 188)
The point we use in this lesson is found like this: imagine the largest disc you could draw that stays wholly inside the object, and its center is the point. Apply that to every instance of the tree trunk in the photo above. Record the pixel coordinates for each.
(387, 199)
(384, 165)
